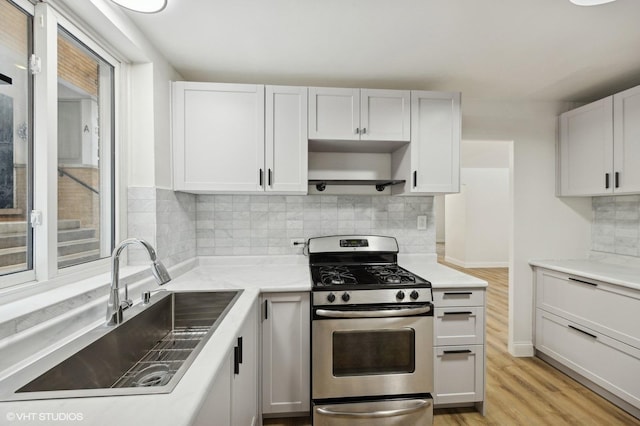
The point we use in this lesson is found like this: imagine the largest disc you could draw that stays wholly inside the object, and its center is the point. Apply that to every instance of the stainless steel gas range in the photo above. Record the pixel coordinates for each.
(372, 335)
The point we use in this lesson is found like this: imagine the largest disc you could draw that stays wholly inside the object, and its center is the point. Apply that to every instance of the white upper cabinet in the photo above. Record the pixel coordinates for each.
(431, 163)
(385, 115)
(598, 149)
(218, 137)
(586, 149)
(626, 141)
(359, 114)
(286, 139)
(225, 140)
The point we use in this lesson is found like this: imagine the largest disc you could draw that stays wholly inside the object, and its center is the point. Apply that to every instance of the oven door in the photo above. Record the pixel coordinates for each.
(372, 351)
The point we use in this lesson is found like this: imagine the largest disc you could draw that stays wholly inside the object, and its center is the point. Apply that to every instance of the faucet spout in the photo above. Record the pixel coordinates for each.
(115, 307)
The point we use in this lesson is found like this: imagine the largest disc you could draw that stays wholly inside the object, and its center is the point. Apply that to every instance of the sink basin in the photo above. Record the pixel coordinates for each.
(148, 353)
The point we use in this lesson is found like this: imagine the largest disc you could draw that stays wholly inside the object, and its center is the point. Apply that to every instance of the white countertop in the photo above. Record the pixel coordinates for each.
(257, 274)
(607, 269)
(439, 275)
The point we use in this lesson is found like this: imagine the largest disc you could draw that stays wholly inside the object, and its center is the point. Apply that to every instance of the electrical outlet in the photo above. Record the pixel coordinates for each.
(297, 242)
(422, 223)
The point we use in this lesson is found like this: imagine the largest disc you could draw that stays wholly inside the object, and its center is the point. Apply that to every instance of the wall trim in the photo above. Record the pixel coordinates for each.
(463, 264)
(521, 349)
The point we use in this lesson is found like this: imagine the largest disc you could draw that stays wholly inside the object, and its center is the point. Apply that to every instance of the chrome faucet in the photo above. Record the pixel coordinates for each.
(115, 307)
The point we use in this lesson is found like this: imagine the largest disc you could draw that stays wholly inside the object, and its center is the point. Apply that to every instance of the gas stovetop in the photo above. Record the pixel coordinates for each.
(362, 277)
(355, 269)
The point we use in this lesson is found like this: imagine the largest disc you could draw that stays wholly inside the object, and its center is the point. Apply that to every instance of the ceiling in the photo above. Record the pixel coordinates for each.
(498, 49)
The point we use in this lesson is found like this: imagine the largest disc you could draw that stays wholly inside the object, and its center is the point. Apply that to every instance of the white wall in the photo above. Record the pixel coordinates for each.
(544, 226)
(483, 206)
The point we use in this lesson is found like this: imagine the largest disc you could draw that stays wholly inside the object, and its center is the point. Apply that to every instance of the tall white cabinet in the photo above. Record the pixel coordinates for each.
(598, 150)
(431, 163)
(286, 139)
(286, 340)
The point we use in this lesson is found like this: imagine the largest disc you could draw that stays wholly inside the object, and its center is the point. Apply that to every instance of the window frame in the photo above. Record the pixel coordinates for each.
(45, 273)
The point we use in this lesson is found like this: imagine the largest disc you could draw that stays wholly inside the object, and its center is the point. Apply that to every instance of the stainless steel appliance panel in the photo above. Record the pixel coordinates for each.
(372, 356)
(376, 413)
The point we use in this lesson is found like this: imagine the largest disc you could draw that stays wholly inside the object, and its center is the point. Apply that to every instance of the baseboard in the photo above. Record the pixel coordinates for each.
(521, 349)
(462, 264)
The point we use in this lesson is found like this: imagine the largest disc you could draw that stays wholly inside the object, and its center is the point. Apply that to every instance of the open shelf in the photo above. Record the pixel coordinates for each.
(380, 184)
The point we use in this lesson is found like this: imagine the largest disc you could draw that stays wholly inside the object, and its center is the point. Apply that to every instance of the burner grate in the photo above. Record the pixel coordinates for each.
(336, 275)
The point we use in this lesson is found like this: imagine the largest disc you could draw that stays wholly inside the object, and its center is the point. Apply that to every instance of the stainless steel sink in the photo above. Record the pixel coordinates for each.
(148, 353)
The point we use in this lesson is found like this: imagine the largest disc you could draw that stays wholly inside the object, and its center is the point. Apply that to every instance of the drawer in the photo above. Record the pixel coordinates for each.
(458, 374)
(609, 309)
(605, 361)
(456, 326)
(458, 297)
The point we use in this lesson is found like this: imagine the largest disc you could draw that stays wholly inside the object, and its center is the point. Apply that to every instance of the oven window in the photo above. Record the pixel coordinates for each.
(360, 353)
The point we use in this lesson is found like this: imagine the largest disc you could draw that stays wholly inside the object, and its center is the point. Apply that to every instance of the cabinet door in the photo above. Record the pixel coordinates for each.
(285, 353)
(586, 149)
(218, 137)
(217, 404)
(244, 403)
(626, 134)
(458, 374)
(334, 113)
(286, 139)
(435, 142)
(385, 115)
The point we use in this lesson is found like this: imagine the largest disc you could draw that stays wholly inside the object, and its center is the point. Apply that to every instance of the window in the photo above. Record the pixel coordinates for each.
(15, 139)
(85, 139)
(75, 193)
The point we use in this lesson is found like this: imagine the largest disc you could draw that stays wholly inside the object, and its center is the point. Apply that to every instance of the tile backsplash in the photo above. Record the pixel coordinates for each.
(182, 226)
(261, 225)
(616, 225)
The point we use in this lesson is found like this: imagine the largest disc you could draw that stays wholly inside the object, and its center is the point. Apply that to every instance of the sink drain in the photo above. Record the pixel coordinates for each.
(154, 375)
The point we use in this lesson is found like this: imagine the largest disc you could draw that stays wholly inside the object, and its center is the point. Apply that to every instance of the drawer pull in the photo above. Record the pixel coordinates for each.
(459, 313)
(458, 293)
(583, 282)
(583, 332)
(458, 351)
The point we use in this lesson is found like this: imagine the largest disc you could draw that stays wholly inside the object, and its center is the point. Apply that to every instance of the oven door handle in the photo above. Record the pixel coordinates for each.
(420, 404)
(403, 312)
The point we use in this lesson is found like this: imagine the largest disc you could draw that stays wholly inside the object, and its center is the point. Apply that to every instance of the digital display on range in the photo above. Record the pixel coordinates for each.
(360, 242)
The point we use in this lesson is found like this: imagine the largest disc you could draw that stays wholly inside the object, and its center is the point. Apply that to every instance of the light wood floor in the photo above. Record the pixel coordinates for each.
(520, 391)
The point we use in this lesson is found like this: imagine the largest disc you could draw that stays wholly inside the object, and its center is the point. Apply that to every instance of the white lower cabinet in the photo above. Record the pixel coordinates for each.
(459, 347)
(233, 396)
(285, 353)
(589, 329)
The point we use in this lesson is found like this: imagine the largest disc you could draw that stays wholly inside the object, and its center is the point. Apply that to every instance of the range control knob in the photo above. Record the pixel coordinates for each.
(400, 295)
(414, 295)
(331, 297)
(345, 297)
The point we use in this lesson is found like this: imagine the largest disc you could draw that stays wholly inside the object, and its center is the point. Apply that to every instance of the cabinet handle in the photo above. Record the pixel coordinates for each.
(236, 360)
(364, 130)
(415, 178)
(459, 313)
(606, 180)
(458, 293)
(458, 351)
(583, 332)
(260, 176)
(269, 177)
(617, 179)
(240, 350)
(357, 131)
(583, 282)
(266, 309)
